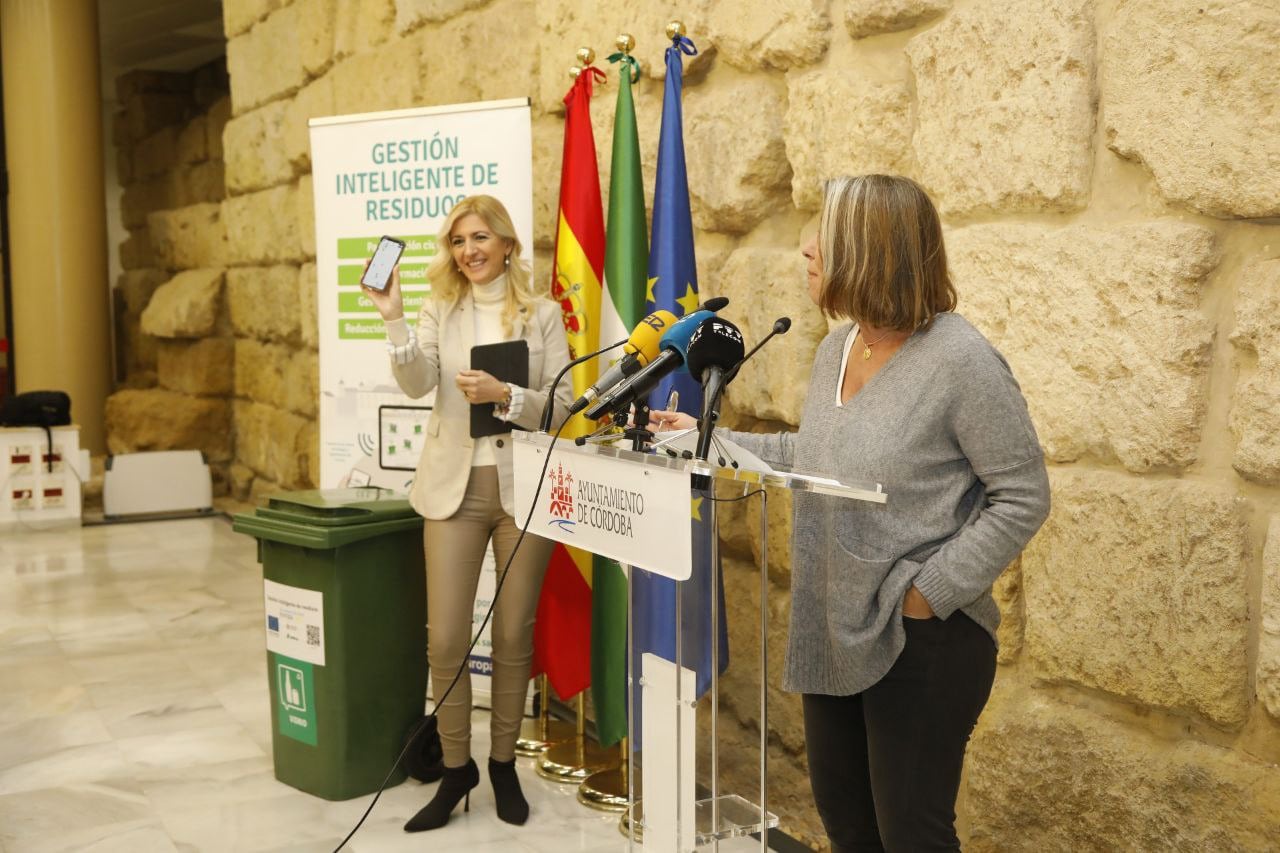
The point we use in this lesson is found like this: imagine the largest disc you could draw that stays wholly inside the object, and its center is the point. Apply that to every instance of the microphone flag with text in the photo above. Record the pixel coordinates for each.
(640, 349)
(673, 285)
(715, 349)
(670, 358)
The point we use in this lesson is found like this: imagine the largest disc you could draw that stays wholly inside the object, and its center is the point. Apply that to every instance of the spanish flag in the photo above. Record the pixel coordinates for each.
(562, 634)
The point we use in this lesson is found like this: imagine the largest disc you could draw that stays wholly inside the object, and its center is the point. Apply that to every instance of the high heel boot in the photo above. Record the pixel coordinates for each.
(455, 785)
(512, 806)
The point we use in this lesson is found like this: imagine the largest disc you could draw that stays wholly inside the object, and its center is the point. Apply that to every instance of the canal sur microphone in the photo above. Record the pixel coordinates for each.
(674, 343)
(640, 349)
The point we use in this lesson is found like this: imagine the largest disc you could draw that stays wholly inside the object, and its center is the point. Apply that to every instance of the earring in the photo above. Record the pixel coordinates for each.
(506, 260)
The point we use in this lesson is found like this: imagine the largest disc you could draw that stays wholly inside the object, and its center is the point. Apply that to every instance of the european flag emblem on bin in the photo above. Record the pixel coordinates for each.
(273, 624)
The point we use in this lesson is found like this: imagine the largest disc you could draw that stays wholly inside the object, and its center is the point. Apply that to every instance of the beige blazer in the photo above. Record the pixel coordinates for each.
(444, 344)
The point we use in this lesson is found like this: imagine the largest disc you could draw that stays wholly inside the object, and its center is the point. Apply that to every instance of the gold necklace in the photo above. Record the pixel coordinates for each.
(867, 345)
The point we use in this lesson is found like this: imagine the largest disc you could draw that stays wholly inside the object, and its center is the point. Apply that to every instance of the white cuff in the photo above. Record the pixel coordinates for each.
(514, 408)
(406, 351)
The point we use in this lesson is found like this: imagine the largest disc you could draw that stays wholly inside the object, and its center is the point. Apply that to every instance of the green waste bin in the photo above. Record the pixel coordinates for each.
(345, 602)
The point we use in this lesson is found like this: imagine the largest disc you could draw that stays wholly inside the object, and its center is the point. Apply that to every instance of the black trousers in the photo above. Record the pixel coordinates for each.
(885, 763)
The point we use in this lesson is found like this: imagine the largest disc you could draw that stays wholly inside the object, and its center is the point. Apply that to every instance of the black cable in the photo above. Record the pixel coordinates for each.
(466, 657)
(545, 421)
(750, 494)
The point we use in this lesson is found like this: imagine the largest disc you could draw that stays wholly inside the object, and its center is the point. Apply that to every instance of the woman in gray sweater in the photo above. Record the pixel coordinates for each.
(893, 625)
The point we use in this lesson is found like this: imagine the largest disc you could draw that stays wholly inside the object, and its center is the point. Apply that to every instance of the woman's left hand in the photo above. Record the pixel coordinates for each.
(915, 605)
(480, 387)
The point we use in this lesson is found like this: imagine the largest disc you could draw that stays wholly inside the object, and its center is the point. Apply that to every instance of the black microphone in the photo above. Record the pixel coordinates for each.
(780, 327)
(714, 350)
(548, 407)
(714, 304)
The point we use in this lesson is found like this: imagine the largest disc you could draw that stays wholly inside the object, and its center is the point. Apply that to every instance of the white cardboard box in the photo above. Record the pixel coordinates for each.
(29, 491)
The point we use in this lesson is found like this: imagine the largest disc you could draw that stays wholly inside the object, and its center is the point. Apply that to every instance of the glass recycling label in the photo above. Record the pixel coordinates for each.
(295, 698)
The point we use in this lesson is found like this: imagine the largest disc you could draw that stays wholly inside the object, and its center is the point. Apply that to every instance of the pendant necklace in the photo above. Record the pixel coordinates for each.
(866, 345)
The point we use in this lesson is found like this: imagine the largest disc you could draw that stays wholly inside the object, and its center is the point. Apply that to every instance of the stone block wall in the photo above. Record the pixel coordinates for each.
(173, 349)
(1106, 173)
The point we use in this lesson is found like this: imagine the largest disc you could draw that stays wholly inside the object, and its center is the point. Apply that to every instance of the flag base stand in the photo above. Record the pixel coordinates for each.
(631, 822)
(574, 760)
(535, 739)
(606, 790)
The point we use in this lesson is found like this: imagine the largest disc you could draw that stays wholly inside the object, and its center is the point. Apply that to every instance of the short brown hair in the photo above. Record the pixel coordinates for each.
(883, 262)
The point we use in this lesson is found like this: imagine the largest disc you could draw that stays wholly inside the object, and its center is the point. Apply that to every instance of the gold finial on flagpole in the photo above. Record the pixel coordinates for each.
(574, 71)
(586, 55)
(625, 43)
(675, 28)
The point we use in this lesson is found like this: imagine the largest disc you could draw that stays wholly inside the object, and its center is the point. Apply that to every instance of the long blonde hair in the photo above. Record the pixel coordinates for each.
(448, 284)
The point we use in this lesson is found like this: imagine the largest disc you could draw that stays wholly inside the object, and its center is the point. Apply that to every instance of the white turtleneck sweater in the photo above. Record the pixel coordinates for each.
(489, 301)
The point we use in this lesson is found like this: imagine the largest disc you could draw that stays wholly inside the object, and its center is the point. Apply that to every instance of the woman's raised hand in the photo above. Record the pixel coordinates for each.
(388, 302)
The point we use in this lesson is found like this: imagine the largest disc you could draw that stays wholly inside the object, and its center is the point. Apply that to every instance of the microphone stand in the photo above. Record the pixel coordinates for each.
(547, 408)
(638, 432)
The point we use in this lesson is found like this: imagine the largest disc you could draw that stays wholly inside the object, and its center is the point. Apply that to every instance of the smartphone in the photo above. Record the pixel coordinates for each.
(385, 257)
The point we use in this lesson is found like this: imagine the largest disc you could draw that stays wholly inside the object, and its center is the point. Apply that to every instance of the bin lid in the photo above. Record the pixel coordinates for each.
(329, 518)
(338, 507)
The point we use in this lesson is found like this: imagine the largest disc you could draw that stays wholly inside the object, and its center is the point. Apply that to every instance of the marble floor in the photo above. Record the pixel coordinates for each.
(134, 713)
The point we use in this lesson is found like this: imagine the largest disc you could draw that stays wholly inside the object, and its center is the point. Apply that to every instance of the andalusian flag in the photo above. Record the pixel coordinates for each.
(673, 285)
(624, 273)
(562, 633)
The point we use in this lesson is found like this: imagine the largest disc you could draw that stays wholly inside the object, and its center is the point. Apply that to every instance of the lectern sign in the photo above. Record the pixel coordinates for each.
(636, 514)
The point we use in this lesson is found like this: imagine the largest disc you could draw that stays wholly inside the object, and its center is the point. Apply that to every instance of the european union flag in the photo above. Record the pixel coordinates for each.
(673, 286)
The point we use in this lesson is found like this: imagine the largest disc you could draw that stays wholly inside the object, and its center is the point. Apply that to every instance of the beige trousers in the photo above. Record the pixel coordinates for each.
(455, 549)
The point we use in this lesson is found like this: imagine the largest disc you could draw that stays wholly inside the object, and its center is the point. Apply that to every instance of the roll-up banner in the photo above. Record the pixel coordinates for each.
(398, 174)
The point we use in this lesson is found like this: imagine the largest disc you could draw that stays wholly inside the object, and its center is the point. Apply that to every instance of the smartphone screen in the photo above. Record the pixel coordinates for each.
(378, 275)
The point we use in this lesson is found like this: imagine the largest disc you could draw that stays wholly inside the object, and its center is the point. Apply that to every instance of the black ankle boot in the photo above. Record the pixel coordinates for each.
(512, 806)
(455, 784)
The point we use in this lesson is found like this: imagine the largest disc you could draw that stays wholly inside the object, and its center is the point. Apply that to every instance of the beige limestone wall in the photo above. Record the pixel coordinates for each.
(173, 350)
(1107, 171)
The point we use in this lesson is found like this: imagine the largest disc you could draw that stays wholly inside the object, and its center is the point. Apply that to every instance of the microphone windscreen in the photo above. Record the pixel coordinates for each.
(781, 325)
(646, 338)
(715, 343)
(715, 303)
(677, 337)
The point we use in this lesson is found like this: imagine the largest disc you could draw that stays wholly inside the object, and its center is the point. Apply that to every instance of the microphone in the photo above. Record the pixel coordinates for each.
(674, 343)
(548, 408)
(715, 348)
(780, 327)
(714, 304)
(640, 349)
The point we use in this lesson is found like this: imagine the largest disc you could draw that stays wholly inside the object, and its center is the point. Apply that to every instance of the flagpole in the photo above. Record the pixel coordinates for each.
(573, 760)
(541, 732)
(613, 789)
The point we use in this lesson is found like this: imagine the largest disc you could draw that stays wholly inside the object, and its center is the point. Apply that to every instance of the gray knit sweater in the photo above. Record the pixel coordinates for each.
(943, 426)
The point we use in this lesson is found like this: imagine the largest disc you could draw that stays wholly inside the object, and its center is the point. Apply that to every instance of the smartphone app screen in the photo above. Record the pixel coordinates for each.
(384, 259)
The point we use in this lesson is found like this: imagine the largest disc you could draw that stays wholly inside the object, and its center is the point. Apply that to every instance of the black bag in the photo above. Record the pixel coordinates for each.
(37, 408)
(424, 755)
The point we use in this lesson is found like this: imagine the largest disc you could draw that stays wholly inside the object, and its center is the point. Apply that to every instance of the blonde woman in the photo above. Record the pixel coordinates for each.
(893, 624)
(482, 293)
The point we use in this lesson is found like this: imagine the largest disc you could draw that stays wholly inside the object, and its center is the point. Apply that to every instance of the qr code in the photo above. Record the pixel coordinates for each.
(313, 635)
